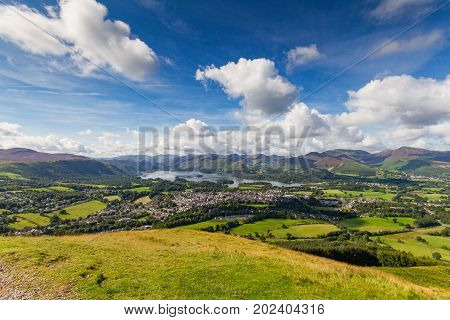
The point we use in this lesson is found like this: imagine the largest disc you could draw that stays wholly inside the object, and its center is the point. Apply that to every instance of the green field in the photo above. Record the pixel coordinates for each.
(11, 175)
(371, 194)
(433, 189)
(362, 194)
(409, 243)
(61, 189)
(81, 210)
(334, 193)
(265, 225)
(432, 197)
(99, 186)
(143, 200)
(52, 188)
(111, 198)
(205, 224)
(141, 189)
(25, 220)
(187, 264)
(305, 231)
(374, 224)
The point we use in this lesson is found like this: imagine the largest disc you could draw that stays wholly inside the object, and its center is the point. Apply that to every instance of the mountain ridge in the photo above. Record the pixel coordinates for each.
(29, 155)
(337, 161)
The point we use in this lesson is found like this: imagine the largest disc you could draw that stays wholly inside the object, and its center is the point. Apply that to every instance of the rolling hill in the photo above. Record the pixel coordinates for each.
(339, 161)
(188, 264)
(321, 165)
(26, 163)
(27, 155)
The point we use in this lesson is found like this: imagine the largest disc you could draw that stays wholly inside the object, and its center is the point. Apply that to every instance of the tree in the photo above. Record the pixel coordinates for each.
(436, 255)
(63, 211)
(55, 219)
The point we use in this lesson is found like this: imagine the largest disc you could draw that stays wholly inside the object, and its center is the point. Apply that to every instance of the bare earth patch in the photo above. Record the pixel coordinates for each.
(15, 286)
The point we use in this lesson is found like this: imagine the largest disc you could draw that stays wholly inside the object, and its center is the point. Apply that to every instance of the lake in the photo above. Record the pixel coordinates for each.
(212, 177)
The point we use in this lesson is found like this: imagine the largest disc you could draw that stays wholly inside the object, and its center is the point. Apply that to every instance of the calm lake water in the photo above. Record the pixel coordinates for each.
(212, 177)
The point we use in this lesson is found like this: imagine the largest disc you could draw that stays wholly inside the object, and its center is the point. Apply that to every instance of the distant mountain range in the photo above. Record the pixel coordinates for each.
(25, 163)
(27, 155)
(339, 161)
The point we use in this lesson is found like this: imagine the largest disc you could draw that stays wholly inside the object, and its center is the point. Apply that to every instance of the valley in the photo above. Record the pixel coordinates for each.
(101, 232)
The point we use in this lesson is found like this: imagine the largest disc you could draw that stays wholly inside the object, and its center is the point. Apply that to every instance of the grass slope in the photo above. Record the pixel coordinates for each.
(186, 264)
(436, 276)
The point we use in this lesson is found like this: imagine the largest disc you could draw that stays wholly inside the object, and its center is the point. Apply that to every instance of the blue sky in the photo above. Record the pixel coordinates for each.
(48, 93)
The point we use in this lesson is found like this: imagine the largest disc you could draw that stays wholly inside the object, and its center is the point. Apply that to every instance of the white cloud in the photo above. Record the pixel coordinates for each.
(9, 129)
(197, 127)
(388, 112)
(391, 9)
(400, 100)
(413, 44)
(301, 55)
(81, 25)
(86, 132)
(432, 137)
(11, 136)
(256, 81)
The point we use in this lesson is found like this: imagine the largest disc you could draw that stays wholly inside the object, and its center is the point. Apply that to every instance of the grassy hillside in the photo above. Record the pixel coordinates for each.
(60, 170)
(185, 264)
(355, 168)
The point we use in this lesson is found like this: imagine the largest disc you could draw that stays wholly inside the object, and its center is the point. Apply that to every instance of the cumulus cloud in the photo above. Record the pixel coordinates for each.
(388, 112)
(299, 131)
(301, 55)
(9, 129)
(404, 99)
(391, 9)
(256, 81)
(12, 136)
(82, 26)
(420, 42)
